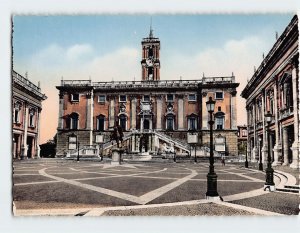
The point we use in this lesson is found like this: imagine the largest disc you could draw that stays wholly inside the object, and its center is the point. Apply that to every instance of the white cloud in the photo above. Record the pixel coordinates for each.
(238, 56)
(79, 52)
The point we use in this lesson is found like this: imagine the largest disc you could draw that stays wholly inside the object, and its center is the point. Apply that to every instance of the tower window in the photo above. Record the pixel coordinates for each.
(150, 52)
(219, 95)
(146, 98)
(122, 98)
(101, 98)
(75, 97)
(192, 97)
(170, 98)
(150, 73)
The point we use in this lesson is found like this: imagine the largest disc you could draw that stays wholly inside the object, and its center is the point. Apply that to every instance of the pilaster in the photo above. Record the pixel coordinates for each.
(158, 111)
(204, 111)
(233, 110)
(295, 145)
(277, 147)
(61, 111)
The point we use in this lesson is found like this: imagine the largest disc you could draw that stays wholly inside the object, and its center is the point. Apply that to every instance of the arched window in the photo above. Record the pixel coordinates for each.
(219, 120)
(192, 122)
(170, 122)
(100, 123)
(150, 54)
(123, 121)
(73, 120)
(17, 110)
(32, 117)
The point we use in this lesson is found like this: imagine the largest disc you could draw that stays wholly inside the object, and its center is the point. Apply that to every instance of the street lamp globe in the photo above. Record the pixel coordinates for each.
(210, 104)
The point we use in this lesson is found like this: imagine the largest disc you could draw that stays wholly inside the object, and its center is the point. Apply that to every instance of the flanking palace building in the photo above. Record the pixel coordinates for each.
(274, 88)
(26, 114)
(154, 114)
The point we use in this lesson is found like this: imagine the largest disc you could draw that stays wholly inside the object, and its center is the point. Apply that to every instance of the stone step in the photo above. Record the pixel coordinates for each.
(287, 190)
(292, 187)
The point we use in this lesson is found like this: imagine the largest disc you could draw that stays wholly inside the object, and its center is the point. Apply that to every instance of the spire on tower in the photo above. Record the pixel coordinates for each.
(151, 31)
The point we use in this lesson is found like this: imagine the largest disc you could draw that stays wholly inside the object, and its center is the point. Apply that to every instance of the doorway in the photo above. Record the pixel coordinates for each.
(146, 124)
(29, 145)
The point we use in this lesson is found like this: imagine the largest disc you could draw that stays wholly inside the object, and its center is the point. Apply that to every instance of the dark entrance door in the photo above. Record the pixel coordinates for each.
(29, 144)
(146, 124)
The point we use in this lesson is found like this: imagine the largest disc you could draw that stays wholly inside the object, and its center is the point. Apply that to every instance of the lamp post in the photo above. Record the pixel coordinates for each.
(212, 192)
(269, 170)
(195, 153)
(77, 149)
(260, 165)
(246, 162)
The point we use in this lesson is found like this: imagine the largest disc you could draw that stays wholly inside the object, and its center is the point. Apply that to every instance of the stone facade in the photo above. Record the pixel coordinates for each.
(26, 112)
(274, 88)
(152, 110)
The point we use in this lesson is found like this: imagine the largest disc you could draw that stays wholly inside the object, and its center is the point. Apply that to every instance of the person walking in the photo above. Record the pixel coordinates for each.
(223, 161)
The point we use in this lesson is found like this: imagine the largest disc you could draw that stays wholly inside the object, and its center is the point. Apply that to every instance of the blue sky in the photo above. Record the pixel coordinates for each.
(106, 47)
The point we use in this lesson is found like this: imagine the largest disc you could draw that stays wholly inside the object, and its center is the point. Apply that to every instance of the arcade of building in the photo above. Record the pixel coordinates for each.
(274, 88)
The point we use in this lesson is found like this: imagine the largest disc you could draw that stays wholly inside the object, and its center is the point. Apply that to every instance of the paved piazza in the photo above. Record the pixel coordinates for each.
(59, 187)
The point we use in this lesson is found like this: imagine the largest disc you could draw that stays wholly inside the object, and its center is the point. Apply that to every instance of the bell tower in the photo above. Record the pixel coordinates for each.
(150, 58)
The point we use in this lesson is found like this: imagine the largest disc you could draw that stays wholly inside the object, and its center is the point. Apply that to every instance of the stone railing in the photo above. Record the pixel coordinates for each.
(146, 84)
(24, 82)
(206, 80)
(76, 83)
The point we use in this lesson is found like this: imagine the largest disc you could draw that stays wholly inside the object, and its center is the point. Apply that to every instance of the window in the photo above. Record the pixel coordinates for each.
(123, 121)
(192, 97)
(72, 121)
(31, 118)
(150, 52)
(192, 123)
(170, 98)
(220, 122)
(100, 123)
(170, 122)
(150, 73)
(101, 98)
(219, 95)
(244, 133)
(75, 97)
(122, 98)
(146, 98)
(219, 109)
(17, 110)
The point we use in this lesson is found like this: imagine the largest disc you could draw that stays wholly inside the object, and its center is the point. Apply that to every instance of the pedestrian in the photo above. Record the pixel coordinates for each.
(223, 161)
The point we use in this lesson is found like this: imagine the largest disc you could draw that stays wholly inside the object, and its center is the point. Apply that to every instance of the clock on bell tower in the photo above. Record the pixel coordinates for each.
(150, 58)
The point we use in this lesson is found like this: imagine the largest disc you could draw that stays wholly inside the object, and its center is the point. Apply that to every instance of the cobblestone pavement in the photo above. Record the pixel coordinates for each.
(59, 187)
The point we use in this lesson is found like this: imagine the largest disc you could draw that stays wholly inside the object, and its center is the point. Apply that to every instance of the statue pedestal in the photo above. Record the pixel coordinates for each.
(116, 156)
